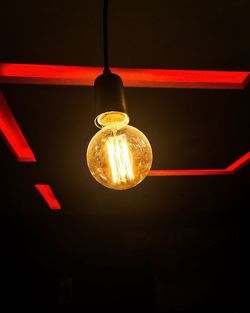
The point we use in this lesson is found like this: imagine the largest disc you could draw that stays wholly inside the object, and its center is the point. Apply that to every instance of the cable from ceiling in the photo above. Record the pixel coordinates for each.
(105, 37)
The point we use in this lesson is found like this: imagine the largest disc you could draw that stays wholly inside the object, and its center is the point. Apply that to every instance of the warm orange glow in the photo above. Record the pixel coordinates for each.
(119, 156)
(120, 160)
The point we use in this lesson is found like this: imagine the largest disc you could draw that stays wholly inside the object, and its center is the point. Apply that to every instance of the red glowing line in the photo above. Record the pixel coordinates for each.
(13, 135)
(231, 169)
(48, 195)
(154, 78)
(238, 164)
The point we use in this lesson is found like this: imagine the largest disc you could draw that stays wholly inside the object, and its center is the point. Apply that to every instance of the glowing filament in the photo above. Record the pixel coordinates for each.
(119, 159)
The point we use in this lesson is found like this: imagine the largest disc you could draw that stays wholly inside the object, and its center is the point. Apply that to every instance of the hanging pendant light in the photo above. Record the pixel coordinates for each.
(119, 156)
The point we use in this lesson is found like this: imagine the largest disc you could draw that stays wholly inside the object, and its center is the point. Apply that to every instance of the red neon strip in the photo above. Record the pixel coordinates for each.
(48, 195)
(231, 169)
(154, 78)
(13, 135)
(238, 164)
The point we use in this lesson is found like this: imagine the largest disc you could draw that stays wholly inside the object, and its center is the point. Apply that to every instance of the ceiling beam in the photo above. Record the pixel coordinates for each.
(231, 169)
(132, 77)
(48, 196)
(12, 134)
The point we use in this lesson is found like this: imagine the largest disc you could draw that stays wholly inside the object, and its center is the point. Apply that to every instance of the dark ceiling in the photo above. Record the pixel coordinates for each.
(172, 244)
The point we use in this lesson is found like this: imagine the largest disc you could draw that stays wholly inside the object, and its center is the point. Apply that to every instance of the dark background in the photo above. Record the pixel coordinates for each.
(172, 244)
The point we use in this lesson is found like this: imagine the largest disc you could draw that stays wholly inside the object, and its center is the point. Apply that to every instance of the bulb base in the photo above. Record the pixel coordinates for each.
(109, 93)
(111, 119)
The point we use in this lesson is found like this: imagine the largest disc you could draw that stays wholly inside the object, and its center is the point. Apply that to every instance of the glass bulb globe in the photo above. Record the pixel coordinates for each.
(119, 156)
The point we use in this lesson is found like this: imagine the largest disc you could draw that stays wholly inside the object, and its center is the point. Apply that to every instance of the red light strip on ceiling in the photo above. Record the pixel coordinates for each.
(231, 169)
(13, 135)
(74, 75)
(154, 78)
(48, 195)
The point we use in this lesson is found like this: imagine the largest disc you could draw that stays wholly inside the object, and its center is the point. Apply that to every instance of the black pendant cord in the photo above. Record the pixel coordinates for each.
(109, 93)
(106, 69)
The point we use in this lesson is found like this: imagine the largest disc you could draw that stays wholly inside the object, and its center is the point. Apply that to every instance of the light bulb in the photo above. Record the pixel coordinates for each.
(119, 156)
